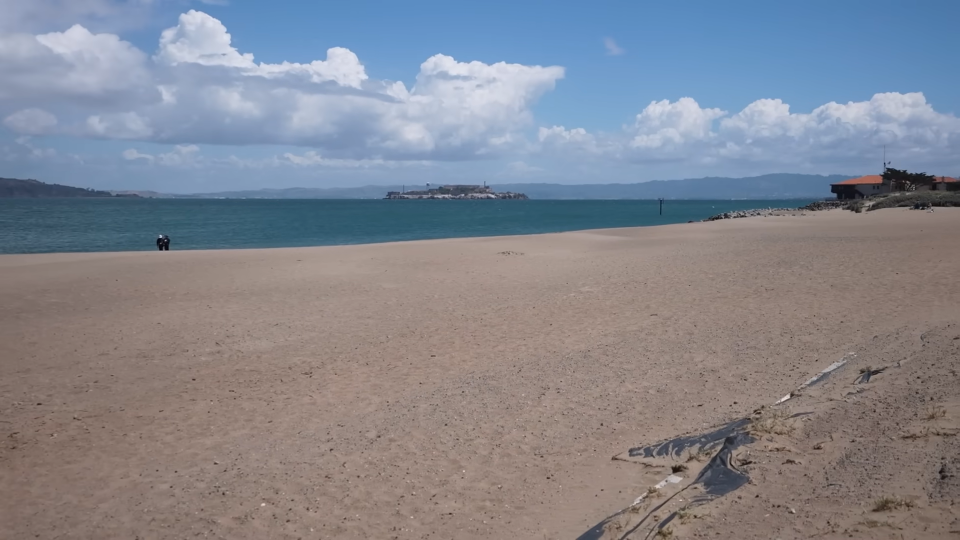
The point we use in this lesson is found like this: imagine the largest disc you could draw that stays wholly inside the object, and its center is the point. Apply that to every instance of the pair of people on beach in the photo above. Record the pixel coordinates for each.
(163, 242)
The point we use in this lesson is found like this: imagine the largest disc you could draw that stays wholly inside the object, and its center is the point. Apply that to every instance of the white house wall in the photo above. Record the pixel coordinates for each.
(868, 190)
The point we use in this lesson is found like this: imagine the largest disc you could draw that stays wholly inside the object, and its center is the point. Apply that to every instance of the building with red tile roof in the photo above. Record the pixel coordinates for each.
(945, 183)
(873, 184)
(859, 188)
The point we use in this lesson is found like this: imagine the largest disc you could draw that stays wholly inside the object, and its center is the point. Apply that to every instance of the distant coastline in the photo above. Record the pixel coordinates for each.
(119, 224)
(780, 186)
(11, 188)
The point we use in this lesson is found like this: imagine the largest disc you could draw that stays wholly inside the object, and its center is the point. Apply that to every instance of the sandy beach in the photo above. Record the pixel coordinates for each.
(480, 388)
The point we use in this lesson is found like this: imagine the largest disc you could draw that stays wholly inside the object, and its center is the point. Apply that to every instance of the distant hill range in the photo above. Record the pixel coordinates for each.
(34, 189)
(365, 192)
(770, 186)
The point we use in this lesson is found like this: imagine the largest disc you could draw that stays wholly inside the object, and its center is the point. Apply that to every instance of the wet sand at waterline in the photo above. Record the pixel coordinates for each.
(478, 388)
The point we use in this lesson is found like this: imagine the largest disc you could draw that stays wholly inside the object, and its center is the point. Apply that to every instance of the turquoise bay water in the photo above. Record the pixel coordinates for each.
(58, 225)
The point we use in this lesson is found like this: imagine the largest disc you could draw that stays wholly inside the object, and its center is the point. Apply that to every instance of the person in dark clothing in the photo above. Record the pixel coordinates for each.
(160, 242)
(166, 243)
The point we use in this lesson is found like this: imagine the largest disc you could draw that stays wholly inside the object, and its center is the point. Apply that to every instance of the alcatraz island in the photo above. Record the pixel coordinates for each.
(451, 192)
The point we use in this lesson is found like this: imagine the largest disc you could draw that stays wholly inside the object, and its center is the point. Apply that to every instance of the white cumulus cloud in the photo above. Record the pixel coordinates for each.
(128, 125)
(311, 158)
(132, 154)
(200, 39)
(197, 88)
(180, 155)
(31, 122)
(771, 137)
(664, 124)
(71, 67)
(577, 142)
(835, 131)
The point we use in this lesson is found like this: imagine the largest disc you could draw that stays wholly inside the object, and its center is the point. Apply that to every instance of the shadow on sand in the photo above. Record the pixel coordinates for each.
(718, 478)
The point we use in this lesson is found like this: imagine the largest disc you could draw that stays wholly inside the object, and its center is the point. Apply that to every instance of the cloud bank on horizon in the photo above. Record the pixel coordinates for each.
(197, 90)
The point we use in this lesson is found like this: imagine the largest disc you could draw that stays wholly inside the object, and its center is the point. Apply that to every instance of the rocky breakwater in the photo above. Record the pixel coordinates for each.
(758, 212)
(825, 205)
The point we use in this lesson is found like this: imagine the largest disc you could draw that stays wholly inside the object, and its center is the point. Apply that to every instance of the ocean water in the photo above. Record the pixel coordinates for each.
(62, 225)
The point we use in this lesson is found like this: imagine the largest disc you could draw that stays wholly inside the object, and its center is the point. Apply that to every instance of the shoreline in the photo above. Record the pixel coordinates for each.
(739, 213)
(372, 244)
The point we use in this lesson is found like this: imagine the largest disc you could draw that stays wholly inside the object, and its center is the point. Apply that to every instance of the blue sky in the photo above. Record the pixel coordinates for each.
(625, 91)
(724, 54)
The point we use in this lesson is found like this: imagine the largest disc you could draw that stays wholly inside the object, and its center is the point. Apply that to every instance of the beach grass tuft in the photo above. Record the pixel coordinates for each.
(934, 198)
(772, 422)
(935, 411)
(665, 532)
(889, 504)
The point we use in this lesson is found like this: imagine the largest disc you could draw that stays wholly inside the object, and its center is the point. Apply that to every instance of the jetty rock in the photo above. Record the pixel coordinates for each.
(759, 212)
